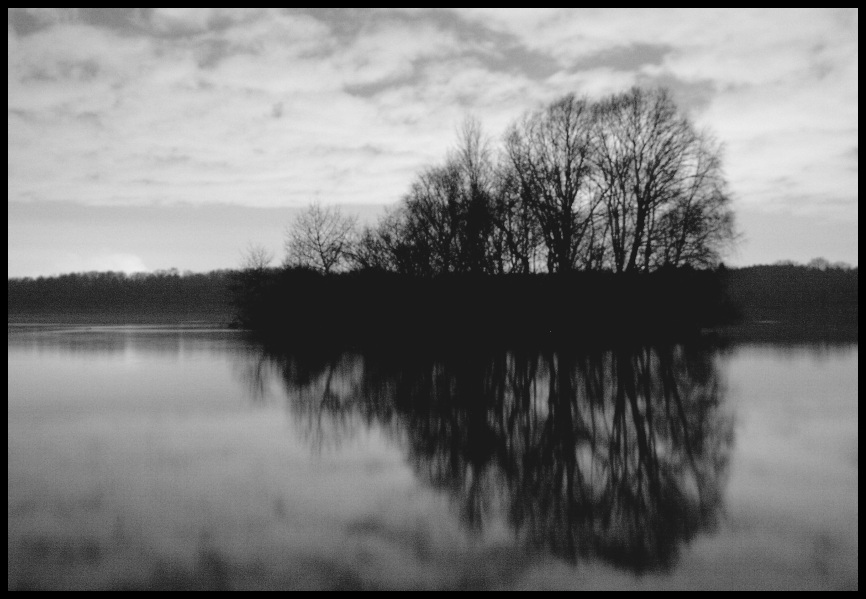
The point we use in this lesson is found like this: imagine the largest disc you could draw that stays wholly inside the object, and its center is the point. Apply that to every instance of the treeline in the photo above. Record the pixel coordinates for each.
(623, 184)
(163, 297)
(789, 301)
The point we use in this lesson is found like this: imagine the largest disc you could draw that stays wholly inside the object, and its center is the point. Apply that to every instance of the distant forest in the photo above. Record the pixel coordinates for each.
(163, 297)
(819, 300)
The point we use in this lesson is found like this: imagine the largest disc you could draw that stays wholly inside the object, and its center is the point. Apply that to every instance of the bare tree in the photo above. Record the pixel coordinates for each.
(381, 246)
(368, 251)
(472, 157)
(627, 183)
(256, 258)
(697, 225)
(517, 238)
(550, 152)
(447, 219)
(660, 182)
(320, 237)
(432, 217)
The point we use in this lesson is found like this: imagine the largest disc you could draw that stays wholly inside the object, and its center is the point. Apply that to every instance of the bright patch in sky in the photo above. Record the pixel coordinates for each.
(275, 108)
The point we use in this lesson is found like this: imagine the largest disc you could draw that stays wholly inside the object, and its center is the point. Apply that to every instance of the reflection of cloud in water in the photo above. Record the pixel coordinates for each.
(620, 455)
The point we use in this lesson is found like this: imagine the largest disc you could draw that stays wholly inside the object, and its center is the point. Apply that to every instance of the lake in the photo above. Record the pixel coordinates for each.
(171, 458)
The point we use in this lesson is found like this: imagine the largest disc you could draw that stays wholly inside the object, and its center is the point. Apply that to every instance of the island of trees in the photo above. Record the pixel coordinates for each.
(588, 217)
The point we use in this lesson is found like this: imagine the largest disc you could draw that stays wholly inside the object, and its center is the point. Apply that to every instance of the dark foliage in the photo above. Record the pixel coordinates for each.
(373, 307)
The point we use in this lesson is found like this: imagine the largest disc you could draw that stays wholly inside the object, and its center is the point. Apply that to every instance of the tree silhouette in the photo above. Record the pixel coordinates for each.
(626, 183)
(475, 167)
(660, 183)
(447, 216)
(320, 237)
(550, 154)
(256, 258)
(432, 219)
(517, 240)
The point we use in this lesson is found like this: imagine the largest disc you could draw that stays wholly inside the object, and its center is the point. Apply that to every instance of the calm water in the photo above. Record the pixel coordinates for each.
(154, 458)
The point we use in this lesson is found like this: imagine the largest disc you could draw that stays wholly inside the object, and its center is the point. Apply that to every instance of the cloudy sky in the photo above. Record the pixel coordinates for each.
(145, 139)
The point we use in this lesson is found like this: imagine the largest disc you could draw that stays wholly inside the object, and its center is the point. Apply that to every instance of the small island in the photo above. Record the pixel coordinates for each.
(594, 223)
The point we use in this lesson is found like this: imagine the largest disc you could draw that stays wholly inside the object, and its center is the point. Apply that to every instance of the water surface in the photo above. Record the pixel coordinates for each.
(142, 457)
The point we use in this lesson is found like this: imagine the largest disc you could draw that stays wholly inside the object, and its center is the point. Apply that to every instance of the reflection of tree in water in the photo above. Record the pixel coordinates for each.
(619, 454)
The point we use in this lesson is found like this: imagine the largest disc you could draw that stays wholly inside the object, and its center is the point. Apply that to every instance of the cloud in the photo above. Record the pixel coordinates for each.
(279, 107)
(692, 96)
(26, 21)
(625, 58)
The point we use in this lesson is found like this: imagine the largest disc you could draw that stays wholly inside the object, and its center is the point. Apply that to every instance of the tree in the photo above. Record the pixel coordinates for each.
(256, 258)
(818, 263)
(660, 183)
(550, 154)
(320, 237)
(517, 239)
(626, 183)
(475, 171)
(447, 216)
(380, 247)
(432, 219)
(697, 225)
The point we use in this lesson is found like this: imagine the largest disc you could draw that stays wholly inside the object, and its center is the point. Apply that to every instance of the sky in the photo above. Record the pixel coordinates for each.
(148, 139)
